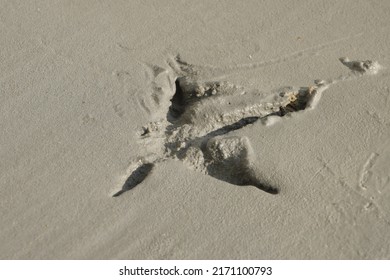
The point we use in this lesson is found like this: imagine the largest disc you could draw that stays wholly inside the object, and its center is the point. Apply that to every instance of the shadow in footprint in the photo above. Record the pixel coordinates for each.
(243, 176)
(178, 103)
(231, 159)
(136, 177)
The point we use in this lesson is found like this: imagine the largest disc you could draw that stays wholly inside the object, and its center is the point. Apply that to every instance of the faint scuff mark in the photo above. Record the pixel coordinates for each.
(365, 174)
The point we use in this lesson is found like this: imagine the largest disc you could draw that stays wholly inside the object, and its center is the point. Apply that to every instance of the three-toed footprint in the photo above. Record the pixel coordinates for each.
(198, 114)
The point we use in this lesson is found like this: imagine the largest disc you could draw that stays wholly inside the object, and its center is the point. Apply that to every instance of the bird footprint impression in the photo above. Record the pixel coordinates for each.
(195, 116)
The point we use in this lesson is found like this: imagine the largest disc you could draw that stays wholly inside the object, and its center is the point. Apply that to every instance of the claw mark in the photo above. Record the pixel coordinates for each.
(202, 114)
(366, 172)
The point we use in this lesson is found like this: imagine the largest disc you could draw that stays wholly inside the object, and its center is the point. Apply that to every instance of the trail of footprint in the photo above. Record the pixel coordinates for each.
(200, 114)
(222, 72)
